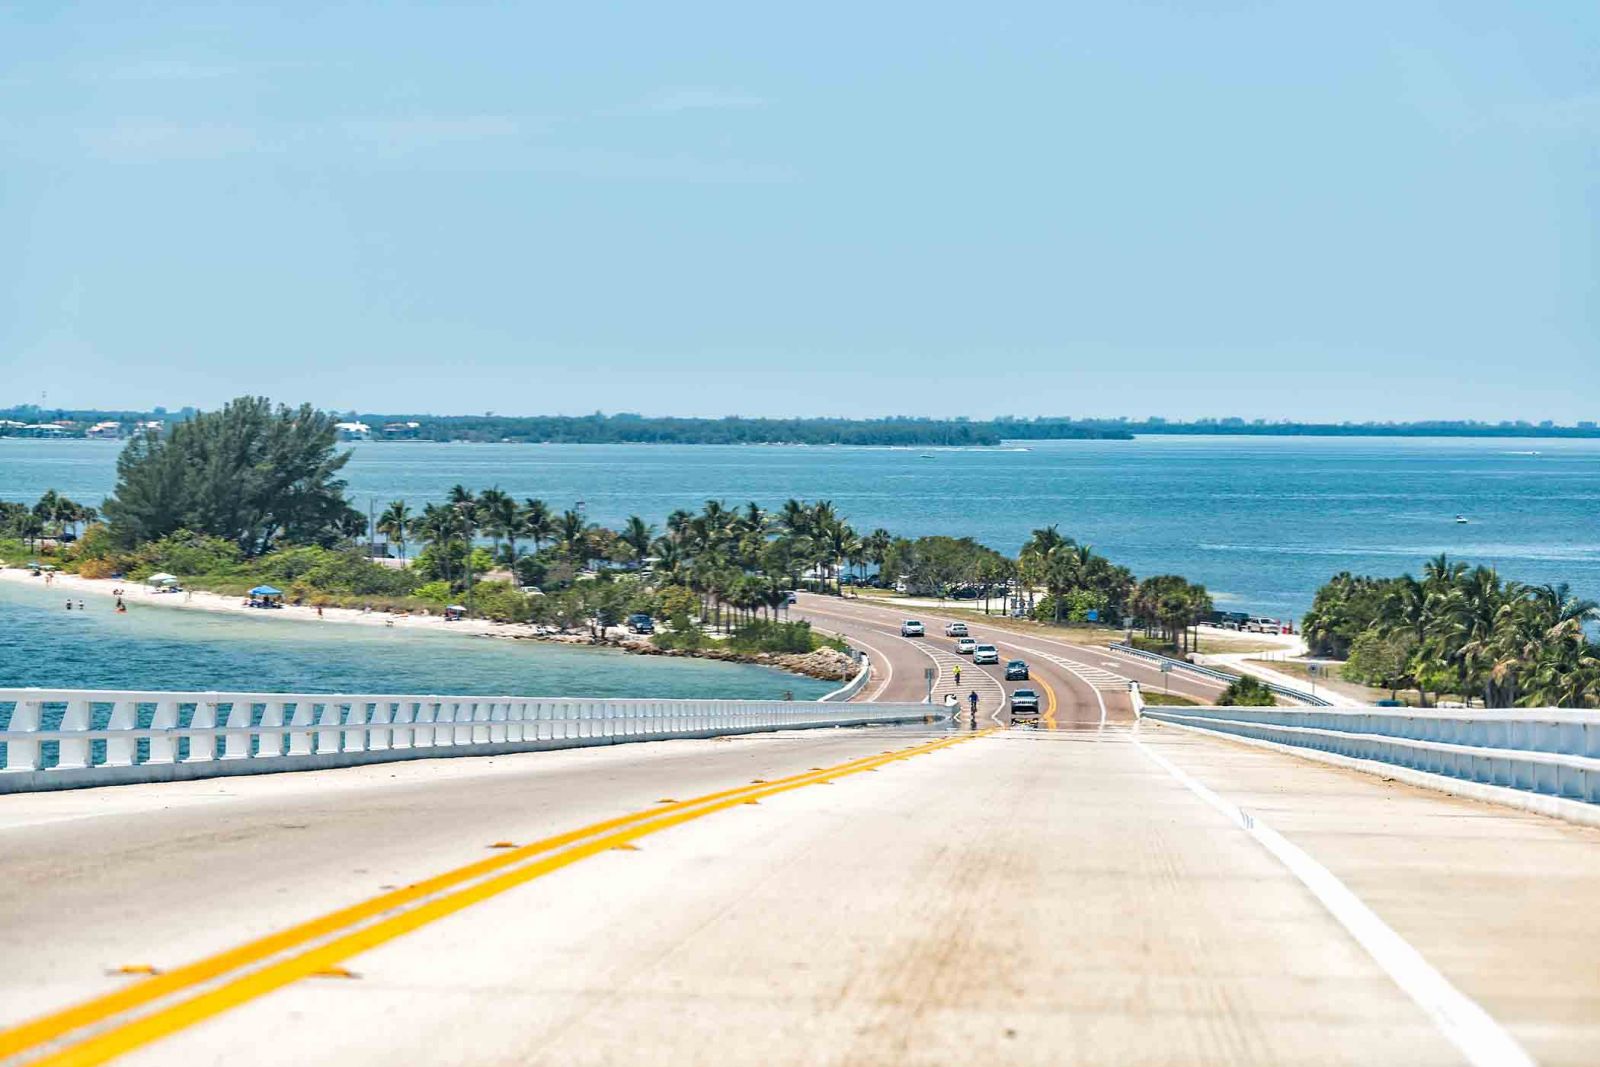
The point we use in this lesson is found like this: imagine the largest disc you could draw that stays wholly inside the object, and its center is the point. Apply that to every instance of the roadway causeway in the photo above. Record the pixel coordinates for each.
(907, 895)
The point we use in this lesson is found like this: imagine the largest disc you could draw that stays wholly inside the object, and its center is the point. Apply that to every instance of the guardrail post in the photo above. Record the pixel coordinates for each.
(202, 729)
(74, 753)
(237, 746)
(270, 744)
(328, 726)
(426, 733)
(405, 714)
(355, 726)
(23, 755)
(121, 751)
(379, 730)
(300, 733)
(163, 738)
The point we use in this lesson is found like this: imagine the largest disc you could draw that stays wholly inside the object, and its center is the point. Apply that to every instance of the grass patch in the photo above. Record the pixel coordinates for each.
(1168, 699)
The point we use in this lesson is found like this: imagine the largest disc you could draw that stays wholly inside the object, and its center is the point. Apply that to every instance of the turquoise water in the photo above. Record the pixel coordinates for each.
(1261, 521)
(44, 645)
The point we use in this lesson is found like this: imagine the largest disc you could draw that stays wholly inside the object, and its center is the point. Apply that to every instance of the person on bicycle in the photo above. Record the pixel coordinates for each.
(958, 674)
(972, 702)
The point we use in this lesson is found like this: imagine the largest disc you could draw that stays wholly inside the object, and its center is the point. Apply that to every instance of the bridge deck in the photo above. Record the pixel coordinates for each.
(1021, 897)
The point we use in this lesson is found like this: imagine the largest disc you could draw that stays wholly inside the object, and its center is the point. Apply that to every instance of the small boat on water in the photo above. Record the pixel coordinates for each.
(1461, 520)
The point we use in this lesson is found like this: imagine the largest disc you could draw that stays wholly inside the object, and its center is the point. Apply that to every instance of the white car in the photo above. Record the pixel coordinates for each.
(955, 629)
(911, 628)
(986, 654)
(965, 645)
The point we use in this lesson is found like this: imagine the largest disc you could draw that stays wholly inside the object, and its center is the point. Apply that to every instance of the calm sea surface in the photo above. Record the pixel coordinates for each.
(1262, 522)
(44, 645)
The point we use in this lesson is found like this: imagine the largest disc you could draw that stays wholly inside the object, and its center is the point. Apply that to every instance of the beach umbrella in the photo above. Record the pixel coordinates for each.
(265, 590)
(454, 607)
(161, 579)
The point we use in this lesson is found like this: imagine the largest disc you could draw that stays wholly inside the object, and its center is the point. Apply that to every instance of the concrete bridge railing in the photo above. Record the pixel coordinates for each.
(62, 739)
(1545, 760)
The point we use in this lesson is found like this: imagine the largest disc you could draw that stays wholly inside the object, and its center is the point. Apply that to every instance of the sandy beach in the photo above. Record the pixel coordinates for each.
(135, 593)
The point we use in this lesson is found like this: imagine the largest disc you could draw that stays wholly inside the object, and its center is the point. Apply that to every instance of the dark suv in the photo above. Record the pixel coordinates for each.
(1016, 671)
(641, 624)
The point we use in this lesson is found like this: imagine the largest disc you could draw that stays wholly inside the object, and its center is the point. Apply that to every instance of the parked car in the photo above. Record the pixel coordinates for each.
(1024, 704)
(955, 629)
(641, 624)
(1263, 626)
(986, 654)
(792, 598)
(911, 628)
(1016, 671)
(965, 645)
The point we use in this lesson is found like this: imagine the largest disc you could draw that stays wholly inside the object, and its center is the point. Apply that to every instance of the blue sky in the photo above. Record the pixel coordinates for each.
(1355, 210)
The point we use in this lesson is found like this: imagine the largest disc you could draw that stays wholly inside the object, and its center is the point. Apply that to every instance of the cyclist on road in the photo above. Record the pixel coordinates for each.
(958, 674)
(972, 702)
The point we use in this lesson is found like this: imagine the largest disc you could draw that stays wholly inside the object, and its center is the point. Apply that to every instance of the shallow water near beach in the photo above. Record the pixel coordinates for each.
(43, 645)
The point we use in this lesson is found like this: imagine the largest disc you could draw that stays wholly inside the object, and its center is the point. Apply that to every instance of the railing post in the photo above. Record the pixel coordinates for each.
(121, 751)
(23, 755)
(237, 746)
(270, 744)
(328, 727)
(202, 730)
(300, 733)
(405, 714)
(379, 730)
(355, 726)
(74, 754)
(163, 739)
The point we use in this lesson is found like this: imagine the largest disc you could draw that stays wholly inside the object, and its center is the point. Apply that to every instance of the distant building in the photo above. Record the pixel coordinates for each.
(401, 431)
(105, 431)
(1586, 426)
(353, 431)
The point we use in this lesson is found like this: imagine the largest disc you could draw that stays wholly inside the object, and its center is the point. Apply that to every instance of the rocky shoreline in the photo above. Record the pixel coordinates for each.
(825, 664)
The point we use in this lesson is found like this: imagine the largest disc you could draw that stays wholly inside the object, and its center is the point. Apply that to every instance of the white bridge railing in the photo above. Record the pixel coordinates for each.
(55, 739)
(1550, 756)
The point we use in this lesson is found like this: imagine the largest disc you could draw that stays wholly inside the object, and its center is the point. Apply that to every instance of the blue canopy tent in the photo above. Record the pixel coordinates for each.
(265, 596)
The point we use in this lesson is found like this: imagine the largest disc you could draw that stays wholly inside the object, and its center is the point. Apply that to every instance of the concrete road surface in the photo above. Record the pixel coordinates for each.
(903, 895)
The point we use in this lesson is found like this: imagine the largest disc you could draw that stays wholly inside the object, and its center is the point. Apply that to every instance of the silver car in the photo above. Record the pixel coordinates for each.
(986, 654)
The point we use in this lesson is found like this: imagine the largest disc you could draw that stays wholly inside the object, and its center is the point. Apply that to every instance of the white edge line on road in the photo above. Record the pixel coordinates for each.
(1484, 1042)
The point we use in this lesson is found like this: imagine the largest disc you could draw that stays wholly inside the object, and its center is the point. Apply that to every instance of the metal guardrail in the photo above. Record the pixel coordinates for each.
(56, 739)
(1549, 752)
(1301, 695)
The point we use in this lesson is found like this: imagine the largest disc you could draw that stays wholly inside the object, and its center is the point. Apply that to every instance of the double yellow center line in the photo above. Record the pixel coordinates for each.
(101, 1028)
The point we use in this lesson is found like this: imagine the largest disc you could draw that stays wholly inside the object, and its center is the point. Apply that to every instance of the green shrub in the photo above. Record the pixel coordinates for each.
(1247, 692)
(185, 553)
(763, 635)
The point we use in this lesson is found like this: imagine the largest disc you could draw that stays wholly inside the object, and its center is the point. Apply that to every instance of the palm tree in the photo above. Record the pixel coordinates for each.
(538, 522)
(394, 522)
(500, 516)
(637, 534)
(571, 535)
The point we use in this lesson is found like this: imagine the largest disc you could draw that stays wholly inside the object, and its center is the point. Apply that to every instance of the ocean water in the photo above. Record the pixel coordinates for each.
(43, 645)
(1261, 521)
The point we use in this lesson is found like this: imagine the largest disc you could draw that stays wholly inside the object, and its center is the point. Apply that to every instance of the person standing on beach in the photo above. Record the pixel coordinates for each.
(69, 603)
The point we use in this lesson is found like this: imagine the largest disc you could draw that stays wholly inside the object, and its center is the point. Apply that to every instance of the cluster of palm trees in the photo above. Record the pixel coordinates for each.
(740, 559)
(50, 516)
(1065, 570)
(1462, 630)
(747, 559)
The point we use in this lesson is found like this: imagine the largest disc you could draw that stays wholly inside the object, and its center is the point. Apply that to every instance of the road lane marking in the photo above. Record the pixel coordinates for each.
(618, 832)
(1463, 1022)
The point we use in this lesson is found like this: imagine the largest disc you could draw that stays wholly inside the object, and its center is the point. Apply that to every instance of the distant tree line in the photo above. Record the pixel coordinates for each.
(639, 429)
